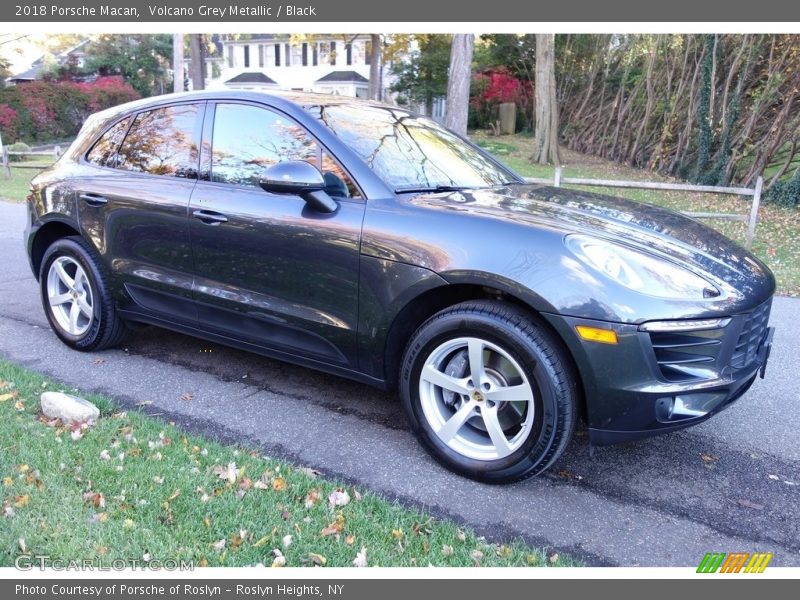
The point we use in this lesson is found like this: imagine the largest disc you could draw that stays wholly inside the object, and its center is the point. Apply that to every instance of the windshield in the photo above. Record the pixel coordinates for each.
(410, 152)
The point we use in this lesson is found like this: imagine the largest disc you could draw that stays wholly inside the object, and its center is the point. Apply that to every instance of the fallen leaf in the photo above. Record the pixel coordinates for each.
(774, 477)
(104, 455)
(709, 458)
(23, 468)
(99, 361)
(96, 499)
(476, 556)
(279, 484)
(310, 472)
(187, 396)
(503, 551)
(447, 550)
(531, 560)
(398, 534)
(8, 482)
(262, 541)
(9, 396)
(21, 501)
(462, 537)
(350, 540)
(312, 498)
(317, 559)
(19, 405)
(144, 403)
(23, 547)
(128, 524)
(174, 495)
(229, 472)
(287, 541)
(361, 558)
(339, 497)
(279, 559)
(748, 504)
(238, 538)
(218, 546)
(553, 559)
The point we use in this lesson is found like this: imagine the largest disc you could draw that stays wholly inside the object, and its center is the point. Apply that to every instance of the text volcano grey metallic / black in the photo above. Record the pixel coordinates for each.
(369, 242)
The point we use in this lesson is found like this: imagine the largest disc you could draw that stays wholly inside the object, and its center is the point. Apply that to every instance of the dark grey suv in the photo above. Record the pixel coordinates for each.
(369, 242)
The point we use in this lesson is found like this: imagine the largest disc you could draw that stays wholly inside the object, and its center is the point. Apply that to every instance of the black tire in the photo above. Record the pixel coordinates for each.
(106, 329)
(549, 374)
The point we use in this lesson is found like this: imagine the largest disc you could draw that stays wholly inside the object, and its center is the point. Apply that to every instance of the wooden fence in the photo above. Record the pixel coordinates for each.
(750, 220)
(7, 164)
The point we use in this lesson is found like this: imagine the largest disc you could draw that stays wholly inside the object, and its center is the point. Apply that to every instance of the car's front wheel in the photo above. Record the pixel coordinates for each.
(488, 392)
(76, 297)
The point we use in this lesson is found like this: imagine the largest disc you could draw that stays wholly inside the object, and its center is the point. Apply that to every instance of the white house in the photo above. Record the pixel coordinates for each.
(324, 63)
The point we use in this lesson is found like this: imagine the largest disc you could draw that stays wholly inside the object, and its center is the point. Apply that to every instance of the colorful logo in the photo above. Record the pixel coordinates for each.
(735, 562)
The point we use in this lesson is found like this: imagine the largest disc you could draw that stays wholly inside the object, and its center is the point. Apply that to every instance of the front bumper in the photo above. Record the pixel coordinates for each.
(651, 383)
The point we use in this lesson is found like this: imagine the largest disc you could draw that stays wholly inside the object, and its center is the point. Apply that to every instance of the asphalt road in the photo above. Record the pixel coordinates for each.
(656, 502)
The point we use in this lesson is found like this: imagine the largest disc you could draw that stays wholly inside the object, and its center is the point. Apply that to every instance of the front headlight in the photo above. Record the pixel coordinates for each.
(639, 271)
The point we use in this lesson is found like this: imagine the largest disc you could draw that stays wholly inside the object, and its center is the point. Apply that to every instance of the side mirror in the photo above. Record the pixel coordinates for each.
(299, 178)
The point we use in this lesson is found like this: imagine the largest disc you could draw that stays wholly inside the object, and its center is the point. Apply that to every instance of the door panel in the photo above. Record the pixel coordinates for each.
(277, 273)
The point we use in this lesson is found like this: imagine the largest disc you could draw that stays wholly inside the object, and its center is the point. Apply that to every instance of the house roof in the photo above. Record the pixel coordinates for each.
(343, 77)
(28, 74)
(251, 77)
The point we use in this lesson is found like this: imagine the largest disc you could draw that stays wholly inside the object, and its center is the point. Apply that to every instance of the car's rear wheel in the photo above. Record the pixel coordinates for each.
(488, 392)
(76, 297)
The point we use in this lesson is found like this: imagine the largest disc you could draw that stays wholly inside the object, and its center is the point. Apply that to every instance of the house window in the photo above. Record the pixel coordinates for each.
(261, 51)
(349, 48)
(315, 55)
(230, 57)
(333, 54)
(247, 56)
(277, 55)
(305, 54)
(288, 53)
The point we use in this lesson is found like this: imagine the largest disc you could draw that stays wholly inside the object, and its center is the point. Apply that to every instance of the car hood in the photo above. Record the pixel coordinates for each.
(650, 228)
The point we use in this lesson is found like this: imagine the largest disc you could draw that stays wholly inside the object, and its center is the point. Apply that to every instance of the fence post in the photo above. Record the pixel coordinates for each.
(6, 167)
(557, 177)
(57, 152)
(751, 224)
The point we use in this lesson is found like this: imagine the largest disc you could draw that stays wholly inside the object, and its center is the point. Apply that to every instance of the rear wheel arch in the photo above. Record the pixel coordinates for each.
(47, 234)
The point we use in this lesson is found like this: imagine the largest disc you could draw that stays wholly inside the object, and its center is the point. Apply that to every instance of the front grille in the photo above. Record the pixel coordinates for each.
(687, 355)
(751, 336)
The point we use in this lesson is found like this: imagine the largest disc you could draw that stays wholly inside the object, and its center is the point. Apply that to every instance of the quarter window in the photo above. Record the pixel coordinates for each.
(249, 139)
(162, 142)
(104, 151)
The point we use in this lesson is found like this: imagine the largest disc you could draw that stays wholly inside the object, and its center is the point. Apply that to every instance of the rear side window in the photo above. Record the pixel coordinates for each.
(162, 142)
(104, 151)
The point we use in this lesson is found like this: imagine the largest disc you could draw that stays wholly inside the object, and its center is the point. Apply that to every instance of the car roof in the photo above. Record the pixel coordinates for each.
(297, 98)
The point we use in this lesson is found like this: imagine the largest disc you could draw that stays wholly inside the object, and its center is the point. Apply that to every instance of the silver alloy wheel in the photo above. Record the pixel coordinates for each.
(484, 408)
(69, 294)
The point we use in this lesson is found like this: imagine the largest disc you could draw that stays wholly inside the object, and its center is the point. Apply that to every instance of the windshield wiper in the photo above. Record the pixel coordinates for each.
(432, 189)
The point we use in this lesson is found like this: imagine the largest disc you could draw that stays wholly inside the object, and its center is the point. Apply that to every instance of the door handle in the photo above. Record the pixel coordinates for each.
(94, 199)
(210, 217)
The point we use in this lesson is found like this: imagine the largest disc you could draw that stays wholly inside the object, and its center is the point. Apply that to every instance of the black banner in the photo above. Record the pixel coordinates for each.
(361, 11)
(369, 589)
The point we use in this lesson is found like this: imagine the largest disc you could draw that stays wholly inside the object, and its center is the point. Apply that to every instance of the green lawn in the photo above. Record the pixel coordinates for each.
(17, 187)
(134, 486)
(777, 240)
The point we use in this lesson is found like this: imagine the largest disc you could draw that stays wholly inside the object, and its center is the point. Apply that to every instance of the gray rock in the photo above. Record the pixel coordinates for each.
(57, 405)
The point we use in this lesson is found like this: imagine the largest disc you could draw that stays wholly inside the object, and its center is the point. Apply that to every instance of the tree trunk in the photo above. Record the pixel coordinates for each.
(177, 62)
(458, 80)
(546, 133)
(198, 61)
(375, 91)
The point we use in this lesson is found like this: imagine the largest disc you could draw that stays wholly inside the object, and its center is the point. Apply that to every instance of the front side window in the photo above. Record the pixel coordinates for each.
(249, 139)
(162, 142)
(104, 151)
